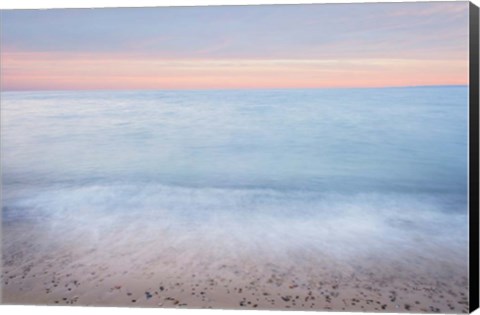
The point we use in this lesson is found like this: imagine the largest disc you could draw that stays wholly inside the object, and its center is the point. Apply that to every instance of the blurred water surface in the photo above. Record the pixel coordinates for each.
(321, 169)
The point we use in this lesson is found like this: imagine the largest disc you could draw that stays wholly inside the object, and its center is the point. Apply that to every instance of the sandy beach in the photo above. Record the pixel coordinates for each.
(229, 286)
(130, 270)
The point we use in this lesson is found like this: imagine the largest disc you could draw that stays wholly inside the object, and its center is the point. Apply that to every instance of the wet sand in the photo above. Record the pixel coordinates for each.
(153, 274)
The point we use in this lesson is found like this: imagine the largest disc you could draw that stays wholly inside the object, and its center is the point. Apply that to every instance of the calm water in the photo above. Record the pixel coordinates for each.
(321, 168)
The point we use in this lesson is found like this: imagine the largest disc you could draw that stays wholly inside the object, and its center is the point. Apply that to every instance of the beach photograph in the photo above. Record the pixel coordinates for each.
(309, 157)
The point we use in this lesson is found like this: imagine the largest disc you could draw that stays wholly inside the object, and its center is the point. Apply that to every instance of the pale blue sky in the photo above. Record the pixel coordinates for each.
(282, 31)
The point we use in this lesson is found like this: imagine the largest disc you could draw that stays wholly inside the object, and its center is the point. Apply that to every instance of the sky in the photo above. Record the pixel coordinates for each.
(233, 47)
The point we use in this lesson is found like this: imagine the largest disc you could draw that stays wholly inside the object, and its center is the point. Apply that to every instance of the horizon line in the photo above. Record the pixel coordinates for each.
(234, 89)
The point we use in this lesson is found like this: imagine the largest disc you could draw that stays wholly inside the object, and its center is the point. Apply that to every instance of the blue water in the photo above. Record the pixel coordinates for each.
(386, 166)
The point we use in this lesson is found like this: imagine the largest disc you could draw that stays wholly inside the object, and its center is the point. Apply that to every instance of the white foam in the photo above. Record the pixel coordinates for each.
(246, 223)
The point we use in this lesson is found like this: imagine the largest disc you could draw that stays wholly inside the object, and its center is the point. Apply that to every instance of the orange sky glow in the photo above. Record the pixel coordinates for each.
(51, 71)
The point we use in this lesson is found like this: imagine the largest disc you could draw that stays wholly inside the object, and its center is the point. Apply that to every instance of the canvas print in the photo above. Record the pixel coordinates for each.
(283, 157)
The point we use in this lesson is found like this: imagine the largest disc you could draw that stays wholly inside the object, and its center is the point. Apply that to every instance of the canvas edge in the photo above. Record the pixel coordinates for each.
(473, 158)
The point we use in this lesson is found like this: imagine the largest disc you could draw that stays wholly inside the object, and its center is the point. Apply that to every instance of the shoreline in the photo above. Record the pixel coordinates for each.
(89, 276)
